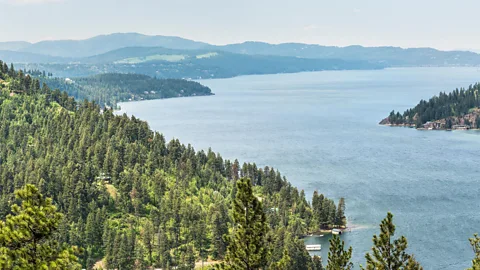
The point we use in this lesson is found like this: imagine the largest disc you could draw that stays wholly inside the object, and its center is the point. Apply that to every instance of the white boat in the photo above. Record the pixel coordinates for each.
(336, 231)
(313, 247)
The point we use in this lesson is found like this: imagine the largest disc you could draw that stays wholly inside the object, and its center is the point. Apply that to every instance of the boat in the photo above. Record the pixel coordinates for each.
(336, 231)
(313, 247)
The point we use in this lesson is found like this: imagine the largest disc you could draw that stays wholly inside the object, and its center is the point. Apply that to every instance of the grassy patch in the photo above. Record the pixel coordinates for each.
(207, 55)
(111, 190)
(156, 57)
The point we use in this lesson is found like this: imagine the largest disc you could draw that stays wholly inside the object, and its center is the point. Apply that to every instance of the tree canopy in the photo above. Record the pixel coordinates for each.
(389, 253)
(123, 189)
(111, 88)
(444, 106)
(26, 235)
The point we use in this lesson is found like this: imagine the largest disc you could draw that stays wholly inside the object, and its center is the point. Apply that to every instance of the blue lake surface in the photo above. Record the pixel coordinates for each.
(321, 131)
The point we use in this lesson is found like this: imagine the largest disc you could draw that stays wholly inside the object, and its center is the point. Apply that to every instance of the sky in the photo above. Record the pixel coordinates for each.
(442, 24)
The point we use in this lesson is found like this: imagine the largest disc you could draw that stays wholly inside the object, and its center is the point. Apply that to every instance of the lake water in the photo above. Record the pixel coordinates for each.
(320, 130)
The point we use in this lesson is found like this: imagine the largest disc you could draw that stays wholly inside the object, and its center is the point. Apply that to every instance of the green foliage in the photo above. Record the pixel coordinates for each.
(325, 213)
(389, 254)
(26, 235)
(111, 88)
(124, 190)
(338, 257)
(475, 242)
(317, 263)
(247, 248)
(444, 106)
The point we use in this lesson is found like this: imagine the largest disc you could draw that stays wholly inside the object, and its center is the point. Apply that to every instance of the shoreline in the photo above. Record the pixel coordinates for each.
(131, 101)
(407, 126)
(323, 232)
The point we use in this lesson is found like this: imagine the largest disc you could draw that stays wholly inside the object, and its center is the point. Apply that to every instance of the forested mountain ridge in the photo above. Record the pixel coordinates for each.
(457, 109)
(388, 56)
(130, 198)
(110, 88)
(195, 64)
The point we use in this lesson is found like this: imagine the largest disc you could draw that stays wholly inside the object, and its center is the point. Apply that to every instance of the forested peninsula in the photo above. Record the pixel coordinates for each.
(111, 88)
(459, 109)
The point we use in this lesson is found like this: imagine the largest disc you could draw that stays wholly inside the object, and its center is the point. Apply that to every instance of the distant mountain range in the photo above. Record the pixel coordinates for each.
(389, 56)
(100, 44)
(175, 57)
(75, 50)
(189, 64)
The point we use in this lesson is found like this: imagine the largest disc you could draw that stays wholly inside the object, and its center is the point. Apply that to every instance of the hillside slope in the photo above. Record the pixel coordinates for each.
(110, 88)
(129, 197)
(195, 64)
(389, 56)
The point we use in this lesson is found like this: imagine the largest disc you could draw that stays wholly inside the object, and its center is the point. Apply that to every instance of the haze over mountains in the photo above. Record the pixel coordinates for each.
(105, 43)
(176, 57)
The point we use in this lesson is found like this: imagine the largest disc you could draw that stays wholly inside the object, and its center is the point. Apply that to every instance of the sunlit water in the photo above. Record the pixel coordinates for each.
(320, 130)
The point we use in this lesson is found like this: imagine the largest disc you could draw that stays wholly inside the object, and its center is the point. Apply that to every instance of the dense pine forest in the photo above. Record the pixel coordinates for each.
(128, 196)
(460, 107)
(83, 188)
(110, 88)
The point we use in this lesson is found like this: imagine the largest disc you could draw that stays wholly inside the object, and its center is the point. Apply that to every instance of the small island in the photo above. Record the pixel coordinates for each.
(458, 110)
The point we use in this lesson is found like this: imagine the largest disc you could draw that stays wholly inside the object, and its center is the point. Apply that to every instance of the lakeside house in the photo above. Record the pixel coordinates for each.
(432, 125)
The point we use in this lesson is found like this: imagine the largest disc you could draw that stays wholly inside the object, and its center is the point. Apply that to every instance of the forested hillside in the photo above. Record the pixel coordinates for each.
(132, 199)
(73, 175)
(459, 107)
(111, 88)
(195, 64)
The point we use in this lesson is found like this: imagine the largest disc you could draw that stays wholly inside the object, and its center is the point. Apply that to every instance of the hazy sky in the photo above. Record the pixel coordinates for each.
(443, 24)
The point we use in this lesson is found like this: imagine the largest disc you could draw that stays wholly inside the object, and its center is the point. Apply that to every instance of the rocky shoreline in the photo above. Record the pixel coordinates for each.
(465, 122)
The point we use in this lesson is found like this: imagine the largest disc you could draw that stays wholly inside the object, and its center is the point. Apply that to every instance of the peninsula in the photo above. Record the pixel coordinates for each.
(458, 110)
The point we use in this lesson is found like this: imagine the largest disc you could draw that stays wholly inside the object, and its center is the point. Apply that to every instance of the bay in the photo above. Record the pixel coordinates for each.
(320, 130)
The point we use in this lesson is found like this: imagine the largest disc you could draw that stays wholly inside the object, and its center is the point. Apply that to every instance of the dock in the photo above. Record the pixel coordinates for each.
(313, 247)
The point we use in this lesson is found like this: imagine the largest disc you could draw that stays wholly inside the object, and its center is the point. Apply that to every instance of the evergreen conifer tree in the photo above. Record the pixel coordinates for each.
(26, 235)
(475, 242)
(317, 263)
(338, 257)
(389, 254)
(247, 248)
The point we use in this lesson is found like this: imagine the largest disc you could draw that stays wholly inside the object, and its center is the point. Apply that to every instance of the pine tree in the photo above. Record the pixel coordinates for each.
(126, 252)
(317, 263)
(475, 242)
(284, 263)
(148, 235)
(340, 216)
(247, 248)
(299, 256)
(219, 225)
(26, 235)
(338, 257)
(389, 254)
